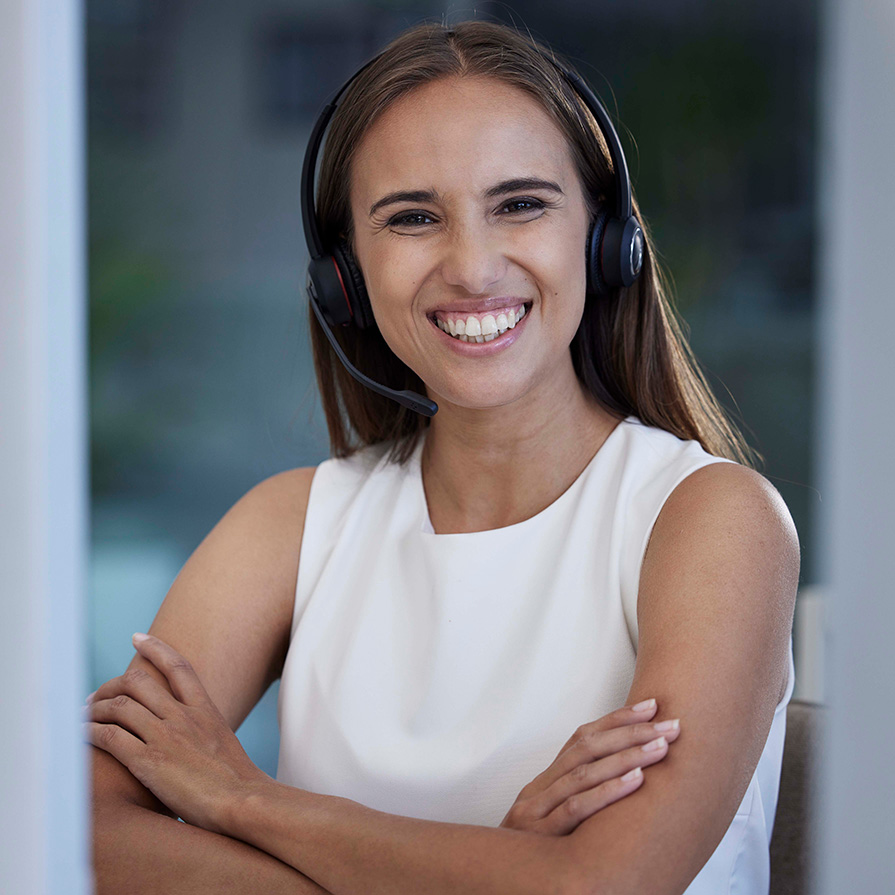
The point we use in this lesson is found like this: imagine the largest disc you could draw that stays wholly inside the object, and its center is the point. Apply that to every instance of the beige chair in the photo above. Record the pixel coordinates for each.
(792, 840)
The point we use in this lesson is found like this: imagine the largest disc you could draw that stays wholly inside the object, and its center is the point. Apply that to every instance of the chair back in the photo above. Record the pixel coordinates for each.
(793, 838)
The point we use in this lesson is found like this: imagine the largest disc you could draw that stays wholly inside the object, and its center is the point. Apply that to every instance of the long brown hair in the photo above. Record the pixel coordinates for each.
(630, 352)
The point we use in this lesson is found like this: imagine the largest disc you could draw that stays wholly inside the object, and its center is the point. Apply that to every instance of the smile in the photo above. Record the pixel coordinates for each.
(479, 327)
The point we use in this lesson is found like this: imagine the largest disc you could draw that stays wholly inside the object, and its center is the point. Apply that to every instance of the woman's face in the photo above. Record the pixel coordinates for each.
(468, 212)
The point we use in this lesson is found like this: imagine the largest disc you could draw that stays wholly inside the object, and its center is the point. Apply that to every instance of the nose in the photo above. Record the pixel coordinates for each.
(473, 261)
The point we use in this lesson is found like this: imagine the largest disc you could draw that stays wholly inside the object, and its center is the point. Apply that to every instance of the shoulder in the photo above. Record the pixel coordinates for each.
(651, 461)
(267, 521)
(724, 498)
(729, 518)
(724, 552)
(229, 610)
(269, 525)
(281, 498)
(681, 488)
(278, 505)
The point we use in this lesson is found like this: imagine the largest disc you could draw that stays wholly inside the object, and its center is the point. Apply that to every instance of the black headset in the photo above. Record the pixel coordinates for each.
(336, 286)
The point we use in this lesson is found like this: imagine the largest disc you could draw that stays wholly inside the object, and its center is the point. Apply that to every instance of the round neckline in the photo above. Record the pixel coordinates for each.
(428, 529)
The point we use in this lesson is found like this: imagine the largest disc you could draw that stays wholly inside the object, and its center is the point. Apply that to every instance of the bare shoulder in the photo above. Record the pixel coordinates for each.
(730, 484)
(229, 610)
(726, 528)
(724, 546)
(725, 505)
(279, 500)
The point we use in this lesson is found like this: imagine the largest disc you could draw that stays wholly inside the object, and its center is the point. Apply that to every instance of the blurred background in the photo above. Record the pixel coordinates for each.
(201, 382)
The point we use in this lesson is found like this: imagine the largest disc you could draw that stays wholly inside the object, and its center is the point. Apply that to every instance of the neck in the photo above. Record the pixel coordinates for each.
(485, 469)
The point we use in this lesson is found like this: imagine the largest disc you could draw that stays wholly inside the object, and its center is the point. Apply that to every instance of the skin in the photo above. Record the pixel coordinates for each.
(714, 607)
(463, 244)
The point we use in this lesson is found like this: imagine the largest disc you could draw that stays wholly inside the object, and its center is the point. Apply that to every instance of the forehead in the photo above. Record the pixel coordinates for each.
(460, 131)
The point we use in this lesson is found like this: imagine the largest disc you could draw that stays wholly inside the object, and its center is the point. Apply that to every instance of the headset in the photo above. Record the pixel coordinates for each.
(338, 295)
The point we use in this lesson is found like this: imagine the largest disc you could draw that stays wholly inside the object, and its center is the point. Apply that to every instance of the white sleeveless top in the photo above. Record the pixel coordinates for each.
(433, 676)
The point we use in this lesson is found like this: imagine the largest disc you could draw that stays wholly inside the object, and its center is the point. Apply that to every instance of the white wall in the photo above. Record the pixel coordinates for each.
(856, 440)
(43, 492)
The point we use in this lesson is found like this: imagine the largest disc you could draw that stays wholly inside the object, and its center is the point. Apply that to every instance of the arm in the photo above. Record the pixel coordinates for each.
(179, 745)
(230, 612)
(715, 607)
(141, 848)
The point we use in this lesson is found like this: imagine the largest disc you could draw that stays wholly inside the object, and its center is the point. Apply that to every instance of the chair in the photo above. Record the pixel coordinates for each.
(793, 837)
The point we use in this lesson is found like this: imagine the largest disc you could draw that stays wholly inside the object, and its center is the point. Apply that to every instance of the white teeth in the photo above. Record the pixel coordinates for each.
(474, 330)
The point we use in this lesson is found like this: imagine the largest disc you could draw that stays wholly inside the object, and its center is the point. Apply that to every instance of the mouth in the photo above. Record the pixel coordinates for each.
(480, 327)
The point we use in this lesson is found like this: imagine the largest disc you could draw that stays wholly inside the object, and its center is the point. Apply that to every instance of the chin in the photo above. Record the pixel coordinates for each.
(489, 397)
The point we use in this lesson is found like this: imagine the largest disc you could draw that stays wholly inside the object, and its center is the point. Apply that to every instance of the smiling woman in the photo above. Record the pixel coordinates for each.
(478, 245)
(536, 641)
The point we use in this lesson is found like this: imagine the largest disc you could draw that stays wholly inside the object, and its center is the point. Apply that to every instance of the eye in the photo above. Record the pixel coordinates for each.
(521, 206)
(411, 219)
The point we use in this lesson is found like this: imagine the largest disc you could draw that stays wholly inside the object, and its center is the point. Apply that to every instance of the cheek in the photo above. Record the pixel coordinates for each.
(560, 264)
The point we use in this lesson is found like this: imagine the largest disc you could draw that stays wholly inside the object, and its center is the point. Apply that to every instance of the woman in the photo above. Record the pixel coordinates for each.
(571, 533)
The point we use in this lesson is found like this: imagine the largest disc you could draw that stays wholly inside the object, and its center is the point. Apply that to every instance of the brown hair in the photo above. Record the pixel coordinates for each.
(630, 351)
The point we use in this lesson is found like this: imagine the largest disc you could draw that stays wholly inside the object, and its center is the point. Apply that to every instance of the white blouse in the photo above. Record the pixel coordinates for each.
(433, 676)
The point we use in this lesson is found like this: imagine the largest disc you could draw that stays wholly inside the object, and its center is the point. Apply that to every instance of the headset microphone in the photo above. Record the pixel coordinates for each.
(412, 400)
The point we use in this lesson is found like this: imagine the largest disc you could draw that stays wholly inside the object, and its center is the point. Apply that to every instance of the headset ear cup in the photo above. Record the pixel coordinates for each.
(356, 289)
(596, 284)
(621, 255)
(327, 291)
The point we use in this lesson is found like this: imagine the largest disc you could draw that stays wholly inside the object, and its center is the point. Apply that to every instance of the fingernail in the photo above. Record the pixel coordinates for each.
(654, 745)
(139, 638)
(665, 726)
(644, 706)
(632, 775)
(89, 699)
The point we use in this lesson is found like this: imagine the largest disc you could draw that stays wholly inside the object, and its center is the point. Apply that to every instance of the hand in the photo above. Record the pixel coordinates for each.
(588, 774)
(178, 746)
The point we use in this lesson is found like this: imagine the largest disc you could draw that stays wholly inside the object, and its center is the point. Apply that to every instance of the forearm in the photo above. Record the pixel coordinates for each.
(139, 847)
(349, 848)
(137, 850)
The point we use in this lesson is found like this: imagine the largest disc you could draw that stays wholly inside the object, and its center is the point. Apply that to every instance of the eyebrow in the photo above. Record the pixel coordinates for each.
(500, 189)
(404, 196)
(522, 183)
